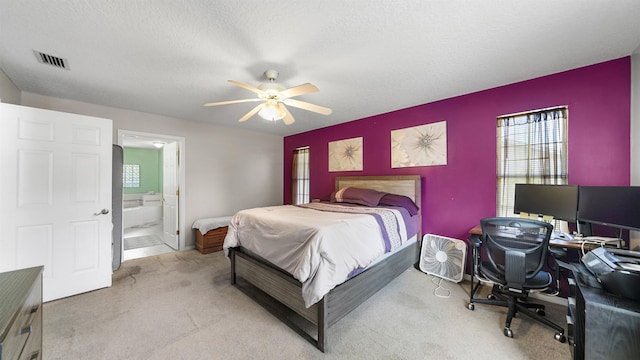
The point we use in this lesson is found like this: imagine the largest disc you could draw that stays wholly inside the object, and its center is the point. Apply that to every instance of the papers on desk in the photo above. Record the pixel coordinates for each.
(600, 240)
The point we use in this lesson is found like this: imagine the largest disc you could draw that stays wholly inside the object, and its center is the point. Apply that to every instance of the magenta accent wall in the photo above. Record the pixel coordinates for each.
(456, 195)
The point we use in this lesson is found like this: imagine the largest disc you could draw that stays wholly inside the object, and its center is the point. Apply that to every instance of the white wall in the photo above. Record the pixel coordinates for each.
(227, 169)
(9, 93)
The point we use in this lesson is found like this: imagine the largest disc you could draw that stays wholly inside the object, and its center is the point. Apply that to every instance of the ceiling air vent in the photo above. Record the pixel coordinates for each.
(51, 60)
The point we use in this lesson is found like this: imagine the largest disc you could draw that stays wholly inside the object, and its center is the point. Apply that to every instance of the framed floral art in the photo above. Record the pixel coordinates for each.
(345, 155)
(424, 145)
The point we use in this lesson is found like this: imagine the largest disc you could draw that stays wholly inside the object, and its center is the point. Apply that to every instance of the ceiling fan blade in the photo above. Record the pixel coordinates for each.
(288, 118)
(247, 87)
(308, 106)
(251, 113)
(231, 102)
(299, 90)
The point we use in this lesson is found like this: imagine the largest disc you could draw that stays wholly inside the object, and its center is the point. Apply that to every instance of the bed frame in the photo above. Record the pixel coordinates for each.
(345, 297)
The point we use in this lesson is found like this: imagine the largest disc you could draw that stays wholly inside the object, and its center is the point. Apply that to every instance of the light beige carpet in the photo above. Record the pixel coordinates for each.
(182, 306)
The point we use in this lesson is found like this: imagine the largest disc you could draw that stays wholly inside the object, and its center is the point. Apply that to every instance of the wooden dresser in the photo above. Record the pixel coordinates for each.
(21, 314)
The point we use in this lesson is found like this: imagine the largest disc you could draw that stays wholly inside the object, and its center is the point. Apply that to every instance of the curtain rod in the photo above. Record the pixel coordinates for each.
(534, 111)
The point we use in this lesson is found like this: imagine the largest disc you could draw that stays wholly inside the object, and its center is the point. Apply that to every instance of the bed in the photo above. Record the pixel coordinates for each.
(341, 299)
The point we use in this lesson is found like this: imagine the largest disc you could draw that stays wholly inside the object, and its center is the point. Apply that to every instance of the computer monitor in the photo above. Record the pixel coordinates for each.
(614, 206)
(558, 201)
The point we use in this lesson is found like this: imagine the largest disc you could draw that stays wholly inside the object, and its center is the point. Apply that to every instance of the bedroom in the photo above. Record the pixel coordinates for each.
(223, 184)
(208, 189)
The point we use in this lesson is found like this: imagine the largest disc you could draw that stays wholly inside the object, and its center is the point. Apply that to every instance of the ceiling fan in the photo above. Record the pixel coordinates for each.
(274, 97)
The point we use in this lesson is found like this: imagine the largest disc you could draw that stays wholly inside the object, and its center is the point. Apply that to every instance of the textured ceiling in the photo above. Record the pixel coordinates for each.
(367, 57)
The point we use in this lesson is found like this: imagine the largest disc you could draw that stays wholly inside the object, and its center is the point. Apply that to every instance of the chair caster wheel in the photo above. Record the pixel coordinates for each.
(540, 312)
(471, 307)
(560, 337)
(508, 332)
(491, 297)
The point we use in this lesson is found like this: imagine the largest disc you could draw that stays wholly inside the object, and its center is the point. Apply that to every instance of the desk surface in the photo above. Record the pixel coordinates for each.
(477, 230)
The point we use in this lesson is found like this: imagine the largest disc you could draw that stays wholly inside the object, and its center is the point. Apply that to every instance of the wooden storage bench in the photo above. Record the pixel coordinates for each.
(214, 229)
(211, 241)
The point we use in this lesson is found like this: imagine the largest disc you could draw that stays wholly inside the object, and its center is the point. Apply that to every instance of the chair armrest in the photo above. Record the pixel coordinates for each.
(475, 241)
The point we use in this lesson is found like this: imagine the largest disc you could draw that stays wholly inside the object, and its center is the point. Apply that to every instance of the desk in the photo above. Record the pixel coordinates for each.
(477, 231)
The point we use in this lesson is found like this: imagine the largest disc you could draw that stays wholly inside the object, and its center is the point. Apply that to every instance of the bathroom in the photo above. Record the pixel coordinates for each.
(142, 213)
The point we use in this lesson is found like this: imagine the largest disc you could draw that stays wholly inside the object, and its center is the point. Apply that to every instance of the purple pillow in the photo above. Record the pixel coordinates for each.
(355, 195)
(400, 201)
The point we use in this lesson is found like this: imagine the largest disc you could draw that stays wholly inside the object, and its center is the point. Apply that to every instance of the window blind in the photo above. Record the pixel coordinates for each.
(300, 176)
(531, 149)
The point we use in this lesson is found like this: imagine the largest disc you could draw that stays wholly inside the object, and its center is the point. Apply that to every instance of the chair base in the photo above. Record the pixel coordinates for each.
(515, 305)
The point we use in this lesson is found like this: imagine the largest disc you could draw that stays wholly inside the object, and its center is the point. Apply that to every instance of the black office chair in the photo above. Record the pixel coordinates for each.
(515, 252)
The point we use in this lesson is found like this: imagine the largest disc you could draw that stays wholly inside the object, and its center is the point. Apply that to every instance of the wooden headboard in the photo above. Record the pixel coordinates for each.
(407, 185)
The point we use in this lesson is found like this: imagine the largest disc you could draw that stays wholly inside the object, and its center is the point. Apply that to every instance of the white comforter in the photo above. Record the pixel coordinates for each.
(318, 248)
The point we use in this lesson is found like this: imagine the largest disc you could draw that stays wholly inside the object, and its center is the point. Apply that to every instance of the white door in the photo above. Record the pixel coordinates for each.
(170, 194)
(56, 197)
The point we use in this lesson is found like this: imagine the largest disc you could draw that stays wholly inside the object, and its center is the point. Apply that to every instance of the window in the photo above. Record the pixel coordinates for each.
(131, 176)
(300, 176)
(532, 149)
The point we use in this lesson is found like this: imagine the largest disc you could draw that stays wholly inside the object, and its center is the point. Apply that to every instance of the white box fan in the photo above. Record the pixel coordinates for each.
(443, 257)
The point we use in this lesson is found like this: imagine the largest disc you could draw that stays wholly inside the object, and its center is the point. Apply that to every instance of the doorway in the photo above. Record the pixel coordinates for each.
(153, 195)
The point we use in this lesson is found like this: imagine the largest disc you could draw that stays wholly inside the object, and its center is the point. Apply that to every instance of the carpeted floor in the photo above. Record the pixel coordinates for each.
(181, 306)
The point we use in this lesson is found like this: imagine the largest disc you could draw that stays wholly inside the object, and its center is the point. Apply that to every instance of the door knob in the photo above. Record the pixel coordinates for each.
(103, 212)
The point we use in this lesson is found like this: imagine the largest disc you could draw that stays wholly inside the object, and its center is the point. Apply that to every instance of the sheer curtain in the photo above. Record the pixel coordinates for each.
(531, 148)
(300, 176)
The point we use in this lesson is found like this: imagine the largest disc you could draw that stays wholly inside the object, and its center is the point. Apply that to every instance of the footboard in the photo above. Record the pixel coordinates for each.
(347, 296)
(335, 305)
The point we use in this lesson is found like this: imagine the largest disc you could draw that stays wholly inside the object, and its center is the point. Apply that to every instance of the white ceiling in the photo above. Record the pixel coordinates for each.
(143, 142)
(367, 57)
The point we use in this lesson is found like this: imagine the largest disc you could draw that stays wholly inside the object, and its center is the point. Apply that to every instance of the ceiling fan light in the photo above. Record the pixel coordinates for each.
(271, 88)
(272, 112)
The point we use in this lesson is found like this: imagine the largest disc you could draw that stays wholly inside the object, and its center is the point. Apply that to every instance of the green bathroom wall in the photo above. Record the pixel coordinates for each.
(150, 161)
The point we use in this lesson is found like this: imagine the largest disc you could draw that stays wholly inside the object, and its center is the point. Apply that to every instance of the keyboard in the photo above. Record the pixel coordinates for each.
(601, 240)
(557, 235)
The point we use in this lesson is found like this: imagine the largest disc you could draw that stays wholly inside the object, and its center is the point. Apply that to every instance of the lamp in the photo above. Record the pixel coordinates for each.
(158, 144)
(272, 111)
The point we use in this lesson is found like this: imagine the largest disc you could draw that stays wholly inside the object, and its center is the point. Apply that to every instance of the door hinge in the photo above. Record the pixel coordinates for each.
(177, 232)
(177, 192)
